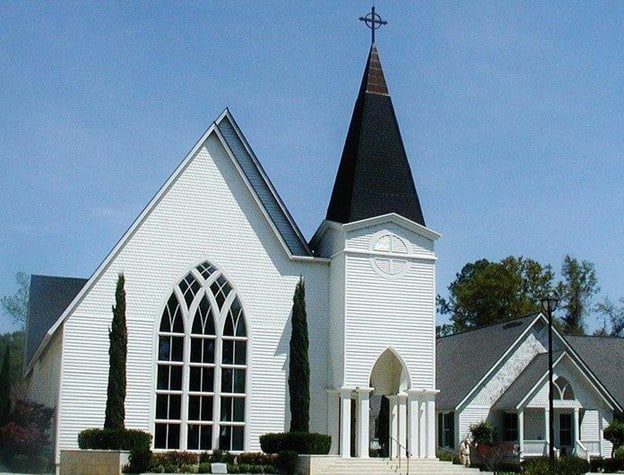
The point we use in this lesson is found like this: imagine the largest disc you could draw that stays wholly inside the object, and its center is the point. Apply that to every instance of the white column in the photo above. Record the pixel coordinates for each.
(600, 431)
(431, 420)
(521, 432)
(401, 402)
(345, 422)
(333, 419)
(577, 427)
(413, 418)
(547, 431)
(393, 426)
(362, 436)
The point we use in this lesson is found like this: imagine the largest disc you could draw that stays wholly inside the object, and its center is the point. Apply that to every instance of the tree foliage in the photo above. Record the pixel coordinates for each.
(16, 305)
(614, 312)
(299, 365)
(575, 291)
(15, 342)
(486, 292)
(615, 434)
(118, 350)
(5, 386)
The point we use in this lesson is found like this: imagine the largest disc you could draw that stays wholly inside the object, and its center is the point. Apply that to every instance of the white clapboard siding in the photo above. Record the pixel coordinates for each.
(42, 383)
(208, 213)
(360, 239)
(336, 320)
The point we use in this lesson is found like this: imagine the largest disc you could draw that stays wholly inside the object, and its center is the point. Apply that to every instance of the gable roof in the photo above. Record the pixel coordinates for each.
(261, 185)
(269, 202)
(374, 177)
(464, 359)
(603, 355)
(48, 298)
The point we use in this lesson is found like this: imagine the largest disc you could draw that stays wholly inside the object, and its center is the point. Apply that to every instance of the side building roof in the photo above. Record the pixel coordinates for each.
(464, 359)
(48, 298)
(604, 356)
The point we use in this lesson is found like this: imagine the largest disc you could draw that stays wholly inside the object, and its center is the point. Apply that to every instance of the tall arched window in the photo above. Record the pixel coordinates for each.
(564, 389)
(202, 366)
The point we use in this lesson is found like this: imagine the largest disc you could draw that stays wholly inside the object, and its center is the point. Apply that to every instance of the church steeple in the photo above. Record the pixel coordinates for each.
(374, 176)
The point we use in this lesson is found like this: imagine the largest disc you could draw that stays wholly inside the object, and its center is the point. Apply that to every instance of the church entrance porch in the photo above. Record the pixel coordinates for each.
(386, 418)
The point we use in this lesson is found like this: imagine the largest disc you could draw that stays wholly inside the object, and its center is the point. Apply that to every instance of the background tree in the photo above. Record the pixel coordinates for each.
(575, 291)
(615, 434)
(16, 306)
(299, 365)
(615, 314)
(5, 387)
(486, 292)
(15, 343)
(118, 350)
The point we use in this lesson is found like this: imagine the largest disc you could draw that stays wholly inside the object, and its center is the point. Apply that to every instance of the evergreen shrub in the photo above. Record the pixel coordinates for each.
(299, 442)
(114, 439)
(287, 461)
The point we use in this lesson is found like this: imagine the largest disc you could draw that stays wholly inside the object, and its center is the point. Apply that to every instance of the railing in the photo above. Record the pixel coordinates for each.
(581, 451)
(407, 454)
(535, 448)
(591, 446)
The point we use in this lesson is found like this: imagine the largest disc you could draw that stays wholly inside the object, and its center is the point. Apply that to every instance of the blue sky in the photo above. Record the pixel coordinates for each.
(511, 114)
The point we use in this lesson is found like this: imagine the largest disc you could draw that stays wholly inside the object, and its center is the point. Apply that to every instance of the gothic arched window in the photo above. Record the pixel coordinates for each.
(564, 389)
(202, 366)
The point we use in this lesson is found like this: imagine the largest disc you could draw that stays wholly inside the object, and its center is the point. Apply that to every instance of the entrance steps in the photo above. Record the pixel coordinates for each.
(379, 466)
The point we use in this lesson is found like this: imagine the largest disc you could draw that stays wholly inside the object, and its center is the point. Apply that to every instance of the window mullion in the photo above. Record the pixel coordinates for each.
(186, 370)
(216, 403)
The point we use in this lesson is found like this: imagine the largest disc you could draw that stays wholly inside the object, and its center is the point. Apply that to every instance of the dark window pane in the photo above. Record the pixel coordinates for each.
(206, 408)
(193, 412)
(206, 438)
(239, 381)
(196, 350)
(226, 380)
(160, 436)
(174, 406)
(241, 330)
(208, 380)
(164, 348)
(225, 437)
(176, 378)
(197, 324)
(238, 438)
(173, 438)
(162, 404)
(239, 409)
(241, 352)
(176, 350)
(228, 330)
(163, 377)
(195, 379)
(209, 349)
(228, 352)
(178, 324)
(226, 408)
(193, 437)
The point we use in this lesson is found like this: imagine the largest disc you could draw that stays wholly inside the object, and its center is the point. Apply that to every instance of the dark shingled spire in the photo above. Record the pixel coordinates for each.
(374, 176)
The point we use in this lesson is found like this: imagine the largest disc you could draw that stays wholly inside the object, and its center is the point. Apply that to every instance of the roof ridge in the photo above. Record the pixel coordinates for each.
(469, 330)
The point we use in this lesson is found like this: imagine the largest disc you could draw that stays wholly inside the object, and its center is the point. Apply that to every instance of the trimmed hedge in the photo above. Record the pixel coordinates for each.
(114, 439)
(300, 442)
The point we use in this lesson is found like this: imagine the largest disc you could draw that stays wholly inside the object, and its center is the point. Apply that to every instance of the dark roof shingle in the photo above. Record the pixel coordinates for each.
(48, 299)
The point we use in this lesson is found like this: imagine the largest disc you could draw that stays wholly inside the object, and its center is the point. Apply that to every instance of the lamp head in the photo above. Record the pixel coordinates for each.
(549, 303)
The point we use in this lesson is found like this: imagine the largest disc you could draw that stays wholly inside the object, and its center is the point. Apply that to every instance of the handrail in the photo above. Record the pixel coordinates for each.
(407, 453)
(579, 444)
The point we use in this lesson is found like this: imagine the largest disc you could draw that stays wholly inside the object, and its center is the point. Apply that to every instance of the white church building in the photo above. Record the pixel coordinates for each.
(211, 265)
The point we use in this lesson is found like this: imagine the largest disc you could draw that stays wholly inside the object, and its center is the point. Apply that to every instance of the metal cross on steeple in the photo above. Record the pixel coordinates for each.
(373, 21)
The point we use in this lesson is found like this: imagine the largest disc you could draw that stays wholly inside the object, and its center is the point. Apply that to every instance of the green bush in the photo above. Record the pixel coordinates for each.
(287, 461)
(300, 442)
(114, 439)
(612, 465)
(563, 466)
(28, 463)
(204, 467)
(256, 458)
(483, 433)
(174, 461)
(140, 461)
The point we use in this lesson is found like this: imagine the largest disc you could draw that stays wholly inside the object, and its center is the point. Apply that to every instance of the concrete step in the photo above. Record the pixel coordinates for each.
(374, 466)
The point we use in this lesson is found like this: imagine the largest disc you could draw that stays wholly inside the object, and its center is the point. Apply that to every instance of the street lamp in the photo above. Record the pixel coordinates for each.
(549, 303)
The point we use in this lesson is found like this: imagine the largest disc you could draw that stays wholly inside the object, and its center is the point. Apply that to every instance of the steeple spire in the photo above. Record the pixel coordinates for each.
(374, 176)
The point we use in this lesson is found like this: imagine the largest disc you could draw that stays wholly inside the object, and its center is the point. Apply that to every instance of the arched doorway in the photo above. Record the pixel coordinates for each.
(389, 378)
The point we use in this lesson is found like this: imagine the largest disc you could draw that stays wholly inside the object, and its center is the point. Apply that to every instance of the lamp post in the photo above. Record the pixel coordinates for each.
(549, 303)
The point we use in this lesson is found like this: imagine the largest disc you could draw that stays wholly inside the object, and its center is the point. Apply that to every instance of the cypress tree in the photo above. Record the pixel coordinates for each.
(5, 386)
(299, 365)
(118, 336)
